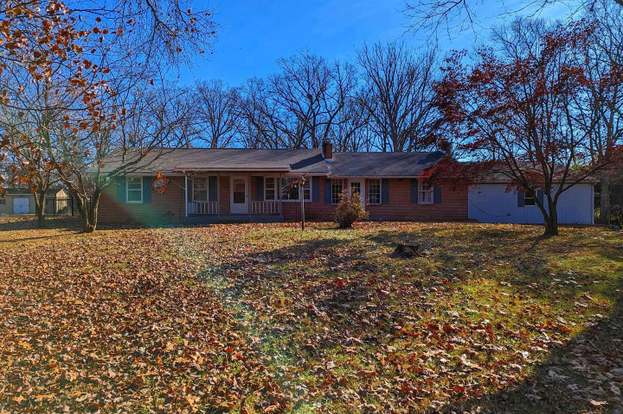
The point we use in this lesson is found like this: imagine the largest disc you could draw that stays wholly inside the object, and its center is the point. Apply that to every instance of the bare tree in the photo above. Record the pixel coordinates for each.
(155, 29)
(350, 131)
(260, 125)
(399, 96)
(308, 96)
(443, 13)
(301, 106)
(31, 108)
(218, 114)
(28, 164)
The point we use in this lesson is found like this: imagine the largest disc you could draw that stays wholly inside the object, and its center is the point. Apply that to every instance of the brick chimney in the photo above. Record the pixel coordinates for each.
(327, 150)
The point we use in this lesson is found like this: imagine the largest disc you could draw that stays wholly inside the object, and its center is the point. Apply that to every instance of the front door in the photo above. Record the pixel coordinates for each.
(356, 187)
(239, 195)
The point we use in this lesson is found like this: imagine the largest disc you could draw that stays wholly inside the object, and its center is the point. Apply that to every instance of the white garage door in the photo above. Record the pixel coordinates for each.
(20, 205)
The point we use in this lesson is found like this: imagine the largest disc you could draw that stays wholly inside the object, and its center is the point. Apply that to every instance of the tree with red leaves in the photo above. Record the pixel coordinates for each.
(600, 107)
(27, 163)
(515, 107)
(82, 74)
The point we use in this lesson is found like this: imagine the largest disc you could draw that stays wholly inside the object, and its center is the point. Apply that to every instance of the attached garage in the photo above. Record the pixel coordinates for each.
(501, 203)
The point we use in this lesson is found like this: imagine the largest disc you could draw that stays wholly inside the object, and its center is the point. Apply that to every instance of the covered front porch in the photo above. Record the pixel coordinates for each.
(239, 196)
(211, 208)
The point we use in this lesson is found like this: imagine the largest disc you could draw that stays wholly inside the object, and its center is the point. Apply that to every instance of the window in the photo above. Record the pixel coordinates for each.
(529, 198)
(290, 189)
(425, 192)
(200, 189)
(134, 189)
(336, 191)
(374, 192)
(2, 201)
(269, 188)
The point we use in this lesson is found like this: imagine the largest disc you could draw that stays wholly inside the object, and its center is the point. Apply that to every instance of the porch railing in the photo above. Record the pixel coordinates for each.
(203, 207)
(265, 207)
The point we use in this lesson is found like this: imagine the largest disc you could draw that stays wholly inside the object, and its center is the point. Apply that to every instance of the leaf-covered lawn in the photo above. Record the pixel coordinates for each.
(264, 318)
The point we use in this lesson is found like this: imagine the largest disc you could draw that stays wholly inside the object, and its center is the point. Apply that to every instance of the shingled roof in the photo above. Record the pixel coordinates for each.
(299, 161)
(382, 164)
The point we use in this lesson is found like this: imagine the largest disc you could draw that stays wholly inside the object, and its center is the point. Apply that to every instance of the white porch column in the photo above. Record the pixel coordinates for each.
(185, 195)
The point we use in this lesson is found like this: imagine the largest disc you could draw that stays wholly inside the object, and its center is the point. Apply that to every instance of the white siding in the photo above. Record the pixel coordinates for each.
(497, 203)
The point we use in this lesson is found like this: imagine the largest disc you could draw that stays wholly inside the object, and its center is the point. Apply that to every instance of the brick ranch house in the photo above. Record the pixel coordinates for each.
(220, 185)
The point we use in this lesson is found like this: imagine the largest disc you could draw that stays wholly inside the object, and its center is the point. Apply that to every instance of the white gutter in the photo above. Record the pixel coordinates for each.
(227, 169)
(373, 177)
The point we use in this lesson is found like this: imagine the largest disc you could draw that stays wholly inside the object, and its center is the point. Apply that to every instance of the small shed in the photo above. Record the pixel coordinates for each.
(19, 201)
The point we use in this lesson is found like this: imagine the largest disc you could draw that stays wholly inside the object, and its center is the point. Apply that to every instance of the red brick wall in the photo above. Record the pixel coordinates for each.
(314, 210)
(453, 206)
(167, 207)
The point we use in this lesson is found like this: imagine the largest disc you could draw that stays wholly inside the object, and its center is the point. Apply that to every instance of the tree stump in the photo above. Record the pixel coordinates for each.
(406, 251)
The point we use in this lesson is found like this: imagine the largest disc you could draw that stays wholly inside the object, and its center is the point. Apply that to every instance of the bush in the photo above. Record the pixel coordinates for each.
(349, 210)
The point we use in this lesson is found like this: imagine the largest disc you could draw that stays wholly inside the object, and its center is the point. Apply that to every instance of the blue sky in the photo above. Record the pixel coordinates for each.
(253, 34)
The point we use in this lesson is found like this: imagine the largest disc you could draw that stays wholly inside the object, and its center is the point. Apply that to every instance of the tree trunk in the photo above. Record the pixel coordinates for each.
(604, 200)
(93, 211)
(88, 207)
(40, 207)
(551, 220)
(84, 220)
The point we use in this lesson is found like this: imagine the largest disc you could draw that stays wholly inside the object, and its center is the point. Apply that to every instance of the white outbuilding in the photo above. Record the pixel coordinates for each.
(497, 202)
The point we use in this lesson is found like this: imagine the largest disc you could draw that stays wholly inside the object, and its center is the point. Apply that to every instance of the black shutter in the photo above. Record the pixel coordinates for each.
(147, 185)
(437, 194)
(414, 190)
(327, 191)
(385, 190)
(213, 188)
(315, 188)
(259, 188)
(539, 195)
(120, 183)
(189, 190)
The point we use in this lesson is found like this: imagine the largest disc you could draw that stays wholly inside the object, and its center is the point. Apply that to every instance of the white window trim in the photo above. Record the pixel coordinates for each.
(276, 187)
(207, 178)
(420, 191)
(534, 197)
(127, 182)
(307, 200)
(342, 183)
(369, 192)
(207, 181)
